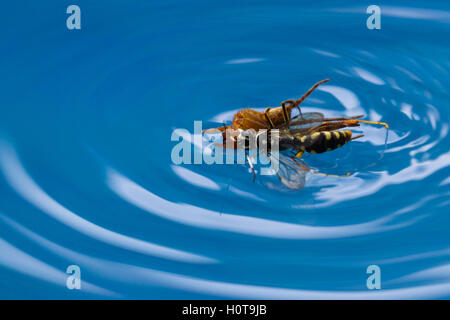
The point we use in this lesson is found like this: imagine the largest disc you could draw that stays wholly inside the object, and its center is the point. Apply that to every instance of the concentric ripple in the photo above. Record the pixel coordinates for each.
(86, 176)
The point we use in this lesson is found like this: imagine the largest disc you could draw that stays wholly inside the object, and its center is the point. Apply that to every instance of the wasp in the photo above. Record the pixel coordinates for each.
(280, 117)
(293, 143)
(307, 132)
(247, 118)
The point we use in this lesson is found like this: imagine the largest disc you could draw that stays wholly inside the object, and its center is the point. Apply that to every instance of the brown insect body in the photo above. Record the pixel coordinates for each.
(277, 117)
(251, 119)
(271, 117)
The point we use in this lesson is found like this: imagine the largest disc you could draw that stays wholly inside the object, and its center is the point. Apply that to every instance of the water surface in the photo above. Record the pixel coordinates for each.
(86, 176)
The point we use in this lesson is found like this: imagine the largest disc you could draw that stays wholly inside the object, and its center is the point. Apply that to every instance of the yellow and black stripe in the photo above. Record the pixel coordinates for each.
(323, 141)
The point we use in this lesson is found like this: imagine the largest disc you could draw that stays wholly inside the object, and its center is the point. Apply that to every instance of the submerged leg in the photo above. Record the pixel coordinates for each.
(306, 168)
(250, 163)
(299, 154)
(358, 136)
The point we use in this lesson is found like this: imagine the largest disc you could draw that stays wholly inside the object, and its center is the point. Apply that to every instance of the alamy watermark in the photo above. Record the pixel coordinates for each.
(228, 146)
(374, 280)
(374, 20)
(74, 280)
(74, 20)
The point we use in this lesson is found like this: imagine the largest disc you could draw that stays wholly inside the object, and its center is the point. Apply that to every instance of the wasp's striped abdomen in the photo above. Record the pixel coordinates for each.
(319, 142)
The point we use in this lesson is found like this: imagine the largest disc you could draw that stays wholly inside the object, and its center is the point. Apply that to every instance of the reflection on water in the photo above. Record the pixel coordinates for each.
(86, 176)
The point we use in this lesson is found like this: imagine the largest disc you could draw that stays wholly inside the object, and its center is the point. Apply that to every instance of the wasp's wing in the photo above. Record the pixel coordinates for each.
(306, 120)
(288, 171)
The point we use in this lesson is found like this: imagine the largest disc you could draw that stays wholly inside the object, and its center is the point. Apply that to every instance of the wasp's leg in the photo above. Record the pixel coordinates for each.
(266, 114)
(330, 126)
(355, 122)
(215, 130)
(306, 168)
(375, 122)
(343, 118)
(250, 163)
(296, 103)
(286, 114)
(309, 91)
(325, 120)
(299, 154)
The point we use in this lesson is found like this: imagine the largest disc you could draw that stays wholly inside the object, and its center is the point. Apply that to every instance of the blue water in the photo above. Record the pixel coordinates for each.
(86, 176)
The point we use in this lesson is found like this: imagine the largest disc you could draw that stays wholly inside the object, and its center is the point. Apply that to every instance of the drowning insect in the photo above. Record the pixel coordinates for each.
(280, 117)
(307, 132)
(290, 169)
(247, 118)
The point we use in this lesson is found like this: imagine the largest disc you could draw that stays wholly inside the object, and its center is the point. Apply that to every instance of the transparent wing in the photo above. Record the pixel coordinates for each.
(306, 120)
(288, 171)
